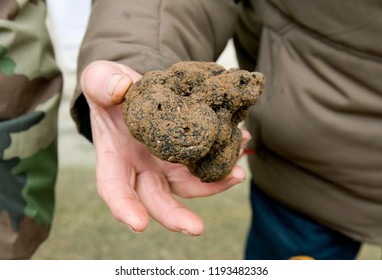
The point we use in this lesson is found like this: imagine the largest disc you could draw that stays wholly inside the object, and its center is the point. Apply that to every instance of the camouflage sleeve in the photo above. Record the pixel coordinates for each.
(30, 94)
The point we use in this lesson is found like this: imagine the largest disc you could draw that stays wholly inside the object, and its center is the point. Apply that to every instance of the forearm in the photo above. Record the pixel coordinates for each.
(153, 34)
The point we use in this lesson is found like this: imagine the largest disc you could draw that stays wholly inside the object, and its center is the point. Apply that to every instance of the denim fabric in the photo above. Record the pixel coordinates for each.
(278, 233)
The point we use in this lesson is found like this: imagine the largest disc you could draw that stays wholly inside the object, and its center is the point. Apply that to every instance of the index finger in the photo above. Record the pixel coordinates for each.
(115, 185)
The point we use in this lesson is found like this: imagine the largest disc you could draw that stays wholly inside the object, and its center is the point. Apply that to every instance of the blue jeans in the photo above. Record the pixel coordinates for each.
(278, 232)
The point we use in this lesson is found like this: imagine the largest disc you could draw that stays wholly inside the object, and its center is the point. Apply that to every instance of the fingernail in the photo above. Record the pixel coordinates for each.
(239, 174)
(186, 232)
(112, 84)
(133, 230)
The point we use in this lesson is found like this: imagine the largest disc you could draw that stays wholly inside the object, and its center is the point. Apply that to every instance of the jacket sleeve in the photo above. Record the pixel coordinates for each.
(151, 35)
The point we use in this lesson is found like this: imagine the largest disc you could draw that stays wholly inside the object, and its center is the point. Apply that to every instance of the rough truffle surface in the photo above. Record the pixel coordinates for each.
(189, 114)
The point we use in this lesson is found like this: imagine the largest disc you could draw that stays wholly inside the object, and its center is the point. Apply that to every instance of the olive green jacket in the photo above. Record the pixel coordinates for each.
(317, 129)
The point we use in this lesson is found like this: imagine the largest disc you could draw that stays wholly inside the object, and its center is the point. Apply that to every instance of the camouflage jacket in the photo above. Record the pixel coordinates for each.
(30, 86)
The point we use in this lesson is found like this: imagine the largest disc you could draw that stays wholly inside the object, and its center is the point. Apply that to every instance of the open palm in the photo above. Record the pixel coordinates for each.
(134, 183)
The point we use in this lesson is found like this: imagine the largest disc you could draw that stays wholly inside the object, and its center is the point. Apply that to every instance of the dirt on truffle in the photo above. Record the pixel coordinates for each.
(189, 114)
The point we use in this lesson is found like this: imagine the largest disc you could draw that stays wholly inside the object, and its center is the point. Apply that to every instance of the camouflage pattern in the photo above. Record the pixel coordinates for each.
(30, 86)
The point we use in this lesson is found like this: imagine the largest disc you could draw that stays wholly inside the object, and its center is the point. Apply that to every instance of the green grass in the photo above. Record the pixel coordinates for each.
(83, 227)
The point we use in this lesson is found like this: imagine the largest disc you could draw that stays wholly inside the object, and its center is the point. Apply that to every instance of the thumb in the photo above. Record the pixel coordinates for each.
(106, 83)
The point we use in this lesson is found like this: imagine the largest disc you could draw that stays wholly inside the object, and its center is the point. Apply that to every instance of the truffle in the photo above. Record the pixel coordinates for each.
(189, 114)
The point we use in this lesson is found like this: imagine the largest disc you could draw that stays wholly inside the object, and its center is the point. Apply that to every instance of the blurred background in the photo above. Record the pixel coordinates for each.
(83, 227)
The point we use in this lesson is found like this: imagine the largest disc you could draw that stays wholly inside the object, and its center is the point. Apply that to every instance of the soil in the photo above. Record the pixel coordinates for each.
(189, 114)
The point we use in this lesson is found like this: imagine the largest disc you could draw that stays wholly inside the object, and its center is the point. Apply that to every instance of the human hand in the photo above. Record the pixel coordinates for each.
(133, 183)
